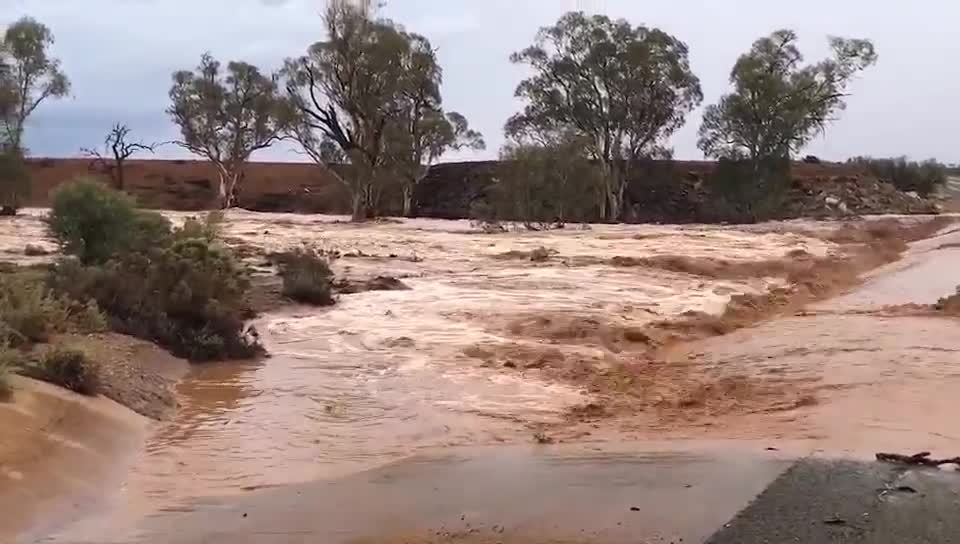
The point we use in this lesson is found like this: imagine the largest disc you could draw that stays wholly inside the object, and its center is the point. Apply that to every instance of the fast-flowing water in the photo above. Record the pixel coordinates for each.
(383, 374)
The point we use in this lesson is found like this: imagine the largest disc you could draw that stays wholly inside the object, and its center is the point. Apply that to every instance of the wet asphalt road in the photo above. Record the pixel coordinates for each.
(560, 496)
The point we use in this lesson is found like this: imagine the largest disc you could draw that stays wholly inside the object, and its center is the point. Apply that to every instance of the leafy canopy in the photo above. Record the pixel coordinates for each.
(227, 115)
(778, 104)
(625, 88)
(28, 76)
(347, 88)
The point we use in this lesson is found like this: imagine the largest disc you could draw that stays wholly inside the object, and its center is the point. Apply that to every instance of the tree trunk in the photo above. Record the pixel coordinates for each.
(603, 197)
(407, 200)
(616, 187)
(119, 180)
(359, 210)
(226, 192)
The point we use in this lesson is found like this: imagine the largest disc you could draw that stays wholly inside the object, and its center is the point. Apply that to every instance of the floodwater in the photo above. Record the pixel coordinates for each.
(384, 375)
(883, 374)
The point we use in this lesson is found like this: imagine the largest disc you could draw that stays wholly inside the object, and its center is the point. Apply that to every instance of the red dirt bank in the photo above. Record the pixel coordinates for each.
(663, 192)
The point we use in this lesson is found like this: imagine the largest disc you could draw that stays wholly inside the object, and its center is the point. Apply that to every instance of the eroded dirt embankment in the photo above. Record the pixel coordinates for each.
(58, 452)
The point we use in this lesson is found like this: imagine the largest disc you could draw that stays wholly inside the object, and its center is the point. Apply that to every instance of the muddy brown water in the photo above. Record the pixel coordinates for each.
(383, 375)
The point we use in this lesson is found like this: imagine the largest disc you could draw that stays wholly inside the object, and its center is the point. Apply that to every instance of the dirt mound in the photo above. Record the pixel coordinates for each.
(842, 196)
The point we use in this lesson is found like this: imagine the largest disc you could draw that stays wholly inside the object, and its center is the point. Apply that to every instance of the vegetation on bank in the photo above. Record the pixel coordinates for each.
(182, 287)
(306, 276)
(127, 270)
(32, 313)
(922, 178)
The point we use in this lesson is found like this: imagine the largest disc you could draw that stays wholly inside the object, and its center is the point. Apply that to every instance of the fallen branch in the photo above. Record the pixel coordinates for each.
(922, 459)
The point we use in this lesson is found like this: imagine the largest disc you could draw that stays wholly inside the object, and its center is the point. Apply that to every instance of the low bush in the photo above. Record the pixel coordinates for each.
(745, 191)
(210, 228)
(920, 177)
(181, 288)
(29, 312)
(188, 297)
(306, 277)
(92, 221)
(71, 369)
(14, 182)
(5, 388)
(10, 360)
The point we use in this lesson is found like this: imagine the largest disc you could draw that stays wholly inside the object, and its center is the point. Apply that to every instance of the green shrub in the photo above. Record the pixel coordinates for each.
(150, 229)
(306, 277)
(189, 297)
(10, 360)
(745, 191)
(5, 388)
(920, 177)
(14, 182)
(181, 288)
(96, 223)
(29, 312)
(210, 228)
(71, 369)
(87, 318)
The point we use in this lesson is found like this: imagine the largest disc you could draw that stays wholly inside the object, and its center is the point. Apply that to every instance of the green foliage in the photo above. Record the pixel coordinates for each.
(182, 288)
(422, 132)
(94, 222)
(188, 296)
(747, 191)
(10, 361)
(31, 77)
(70, 369)
(622, 89)
(921, 177)
(368, 83)
(777, 105)
(226, 117)
(29, 312)
(6, 389)
(210, 228)
(541, 185)
(306, 277)
(14, 181)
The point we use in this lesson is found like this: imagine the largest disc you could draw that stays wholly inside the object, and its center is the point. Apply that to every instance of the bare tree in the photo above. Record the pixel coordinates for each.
(119, 150)
(227, 117)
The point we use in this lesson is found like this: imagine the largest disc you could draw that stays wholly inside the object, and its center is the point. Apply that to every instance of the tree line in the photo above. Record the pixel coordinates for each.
(603, 96)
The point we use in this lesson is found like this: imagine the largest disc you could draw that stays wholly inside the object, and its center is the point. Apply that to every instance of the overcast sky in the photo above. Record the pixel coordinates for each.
(120, 54)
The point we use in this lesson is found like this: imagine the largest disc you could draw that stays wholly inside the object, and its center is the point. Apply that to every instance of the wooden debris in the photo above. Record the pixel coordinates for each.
(922, 459)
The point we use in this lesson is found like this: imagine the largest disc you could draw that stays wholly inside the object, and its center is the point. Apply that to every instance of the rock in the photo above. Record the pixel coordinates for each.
(34, 251)
(379, 283)
(7, 211)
